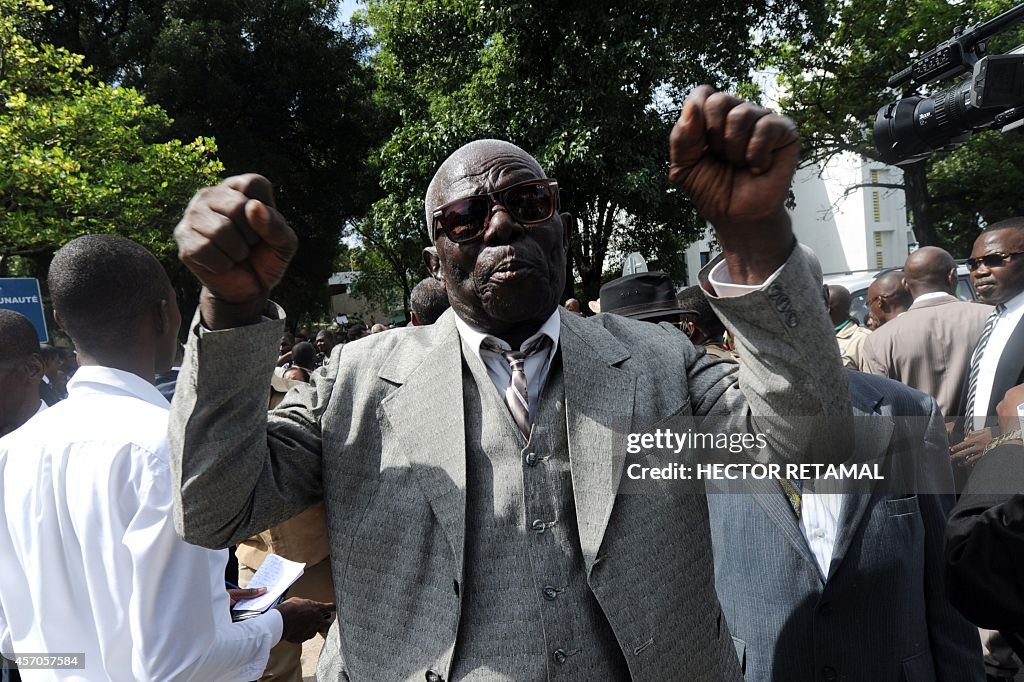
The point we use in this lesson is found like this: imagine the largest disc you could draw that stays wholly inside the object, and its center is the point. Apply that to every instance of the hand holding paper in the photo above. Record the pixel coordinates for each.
(276, 574)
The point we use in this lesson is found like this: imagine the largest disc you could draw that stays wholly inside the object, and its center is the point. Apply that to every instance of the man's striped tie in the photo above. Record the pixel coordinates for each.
(517, 397)
(972, 377)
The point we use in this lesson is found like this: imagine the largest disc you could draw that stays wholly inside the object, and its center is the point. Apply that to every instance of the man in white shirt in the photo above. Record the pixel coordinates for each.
(91, 565)
(20, 369)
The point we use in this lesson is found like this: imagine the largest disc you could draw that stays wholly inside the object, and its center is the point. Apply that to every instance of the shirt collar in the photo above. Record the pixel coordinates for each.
(930, 295)
(474, 337)
(1014, 304)
(42, 406)
(97, 379)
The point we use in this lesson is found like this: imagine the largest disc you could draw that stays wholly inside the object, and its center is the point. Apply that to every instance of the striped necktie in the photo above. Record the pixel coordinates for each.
(972, 377)
(517, 397)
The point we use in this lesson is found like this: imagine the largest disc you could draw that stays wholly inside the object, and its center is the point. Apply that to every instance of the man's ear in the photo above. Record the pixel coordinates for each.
(433, 263)
(60, 322)
(162, 317)
(568, 227)
(34, 367)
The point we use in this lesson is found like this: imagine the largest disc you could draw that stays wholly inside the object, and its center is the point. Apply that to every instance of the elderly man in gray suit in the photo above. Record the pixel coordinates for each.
(466, 467)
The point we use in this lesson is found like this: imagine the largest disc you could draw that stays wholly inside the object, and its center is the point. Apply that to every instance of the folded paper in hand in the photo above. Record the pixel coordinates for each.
(277, 575)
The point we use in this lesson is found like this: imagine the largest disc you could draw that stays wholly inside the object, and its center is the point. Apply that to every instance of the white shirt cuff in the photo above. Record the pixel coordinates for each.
(721, 281)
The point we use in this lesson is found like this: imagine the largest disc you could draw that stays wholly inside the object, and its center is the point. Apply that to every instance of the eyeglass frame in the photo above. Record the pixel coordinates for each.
(975, 263)
(496, 198)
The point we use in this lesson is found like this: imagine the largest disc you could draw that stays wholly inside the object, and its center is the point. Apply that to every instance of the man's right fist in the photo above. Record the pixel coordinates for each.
(235, 242)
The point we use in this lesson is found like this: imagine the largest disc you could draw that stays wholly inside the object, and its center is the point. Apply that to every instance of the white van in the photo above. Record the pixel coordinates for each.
(857, 284)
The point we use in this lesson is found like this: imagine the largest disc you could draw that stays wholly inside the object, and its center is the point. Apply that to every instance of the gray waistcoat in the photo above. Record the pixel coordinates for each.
(527, 611)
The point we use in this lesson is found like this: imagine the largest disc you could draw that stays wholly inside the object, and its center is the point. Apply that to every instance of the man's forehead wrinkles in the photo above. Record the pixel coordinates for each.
(487, 173)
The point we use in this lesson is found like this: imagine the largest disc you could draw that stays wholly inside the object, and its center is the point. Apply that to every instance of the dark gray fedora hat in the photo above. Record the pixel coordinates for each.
(641, 296)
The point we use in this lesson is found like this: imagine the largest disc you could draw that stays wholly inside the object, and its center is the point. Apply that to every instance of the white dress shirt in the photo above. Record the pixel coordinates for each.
(89, 559)
(536, 366)
(931, 295)
(1005, 324)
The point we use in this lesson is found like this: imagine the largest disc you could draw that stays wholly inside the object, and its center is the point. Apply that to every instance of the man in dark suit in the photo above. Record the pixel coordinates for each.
(997, 363)
(476, 527)
(929, 346)
(848, 586)
(985, 535)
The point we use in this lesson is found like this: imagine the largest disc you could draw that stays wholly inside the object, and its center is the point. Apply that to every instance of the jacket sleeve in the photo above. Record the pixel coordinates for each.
(178, 611)
(985, 543)
(790, 374)
(237, 470)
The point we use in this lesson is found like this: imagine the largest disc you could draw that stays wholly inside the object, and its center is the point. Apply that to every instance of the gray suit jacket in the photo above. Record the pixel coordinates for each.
(379, 436)
(929, 348)
(882, 613)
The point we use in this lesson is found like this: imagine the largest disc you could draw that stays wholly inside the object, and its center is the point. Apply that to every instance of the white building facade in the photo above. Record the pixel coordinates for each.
(849, 223)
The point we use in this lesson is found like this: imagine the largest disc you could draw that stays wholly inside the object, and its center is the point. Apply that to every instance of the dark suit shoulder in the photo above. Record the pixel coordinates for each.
(904, 400)
(638, 335)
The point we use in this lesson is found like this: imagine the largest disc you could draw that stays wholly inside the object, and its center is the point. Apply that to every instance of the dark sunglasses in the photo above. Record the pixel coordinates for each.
(529, 203)
(991, 260)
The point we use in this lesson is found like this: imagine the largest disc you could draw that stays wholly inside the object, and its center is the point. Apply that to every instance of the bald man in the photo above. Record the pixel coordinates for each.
(850, 335)
(929, 346)
(888, 297)
(476, 529)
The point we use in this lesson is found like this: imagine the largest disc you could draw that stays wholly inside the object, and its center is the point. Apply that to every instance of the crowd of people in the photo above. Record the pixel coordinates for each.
(450, 487)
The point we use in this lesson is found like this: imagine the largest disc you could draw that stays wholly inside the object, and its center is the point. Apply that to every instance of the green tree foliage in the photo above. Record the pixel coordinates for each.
(81, 157)
(834, 83)
(590, 88)
(281, 84)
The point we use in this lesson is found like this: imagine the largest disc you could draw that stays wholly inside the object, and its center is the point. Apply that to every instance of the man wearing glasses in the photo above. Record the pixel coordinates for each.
(997, 363)
(888, 298)
(466, 466)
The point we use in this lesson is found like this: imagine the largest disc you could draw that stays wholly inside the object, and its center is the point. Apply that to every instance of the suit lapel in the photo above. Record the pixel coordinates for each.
(425, 415)
(872, 441)
(599, 398)
(1009, 369)
(768, 493)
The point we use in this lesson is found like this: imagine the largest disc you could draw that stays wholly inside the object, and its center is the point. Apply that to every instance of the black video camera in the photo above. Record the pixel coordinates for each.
(992, 96)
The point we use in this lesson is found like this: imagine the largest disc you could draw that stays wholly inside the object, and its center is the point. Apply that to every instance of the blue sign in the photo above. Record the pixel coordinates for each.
(21, 294)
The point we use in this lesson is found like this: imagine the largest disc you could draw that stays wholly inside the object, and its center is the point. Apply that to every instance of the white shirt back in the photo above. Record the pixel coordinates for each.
(90, 560)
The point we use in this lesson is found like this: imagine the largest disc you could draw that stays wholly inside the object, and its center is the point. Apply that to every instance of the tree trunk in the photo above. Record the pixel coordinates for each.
(915, 181)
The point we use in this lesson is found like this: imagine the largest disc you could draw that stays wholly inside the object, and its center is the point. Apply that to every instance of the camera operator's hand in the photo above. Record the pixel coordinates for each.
(303, 618)
(736, 161)
(237, 244)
